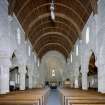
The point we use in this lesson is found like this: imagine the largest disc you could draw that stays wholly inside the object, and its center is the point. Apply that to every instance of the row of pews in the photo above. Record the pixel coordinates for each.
(80, 97)
(28, 97)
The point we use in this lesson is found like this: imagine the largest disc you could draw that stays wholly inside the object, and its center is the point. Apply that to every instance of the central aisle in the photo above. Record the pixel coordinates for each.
(53, 98)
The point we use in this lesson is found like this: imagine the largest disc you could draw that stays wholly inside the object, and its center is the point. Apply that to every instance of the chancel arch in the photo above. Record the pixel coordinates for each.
(50, 61)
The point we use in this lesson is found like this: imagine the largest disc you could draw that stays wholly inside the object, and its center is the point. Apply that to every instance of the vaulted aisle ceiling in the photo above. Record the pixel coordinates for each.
(45, 34)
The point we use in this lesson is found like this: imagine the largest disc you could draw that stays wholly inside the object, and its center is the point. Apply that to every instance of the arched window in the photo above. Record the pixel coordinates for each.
(38, 62)
(77, 50)
(29, 51)
(71, 58)
(18, 36)
(87, 35)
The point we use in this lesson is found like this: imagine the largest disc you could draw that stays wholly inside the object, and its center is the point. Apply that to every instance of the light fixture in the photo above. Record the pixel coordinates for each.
(52, 10)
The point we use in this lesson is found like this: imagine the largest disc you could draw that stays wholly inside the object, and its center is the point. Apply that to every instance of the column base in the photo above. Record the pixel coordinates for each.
(4, 92)
(84, 89)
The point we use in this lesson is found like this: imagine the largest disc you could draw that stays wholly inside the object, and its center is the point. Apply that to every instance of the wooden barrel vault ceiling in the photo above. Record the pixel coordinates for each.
(45, 34)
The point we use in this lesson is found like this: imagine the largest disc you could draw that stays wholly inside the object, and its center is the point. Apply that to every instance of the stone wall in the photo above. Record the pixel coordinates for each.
(96, 24)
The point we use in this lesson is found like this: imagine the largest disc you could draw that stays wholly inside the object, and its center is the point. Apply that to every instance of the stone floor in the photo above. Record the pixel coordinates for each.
(53, 98)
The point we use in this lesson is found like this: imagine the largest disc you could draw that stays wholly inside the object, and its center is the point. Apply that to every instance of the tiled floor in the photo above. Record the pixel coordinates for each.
(53, 98)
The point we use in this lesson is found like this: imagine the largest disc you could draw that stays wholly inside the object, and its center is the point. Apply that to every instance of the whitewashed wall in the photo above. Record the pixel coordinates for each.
(96, 44)
(9, 45)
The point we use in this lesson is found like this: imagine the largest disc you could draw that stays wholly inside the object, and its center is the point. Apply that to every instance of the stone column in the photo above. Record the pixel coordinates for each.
(101, 79)
(36, 78)
(22, 72)
(101, 67)
(99, 73)
(76, 82)
(30, 74)
(4, 48)
(30, 81)
(84, 71)
(85, 54)
(4, 71)
(4, 79)
(84, 81)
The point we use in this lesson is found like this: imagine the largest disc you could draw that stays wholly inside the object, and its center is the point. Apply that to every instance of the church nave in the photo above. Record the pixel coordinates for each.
(52, 52)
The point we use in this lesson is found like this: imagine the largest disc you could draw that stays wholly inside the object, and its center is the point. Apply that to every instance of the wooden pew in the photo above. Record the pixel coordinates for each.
(30, 97)
(85, 101)
(79, 97)
(19, 102)
(16, 99)
(88, 104)
(82, 99)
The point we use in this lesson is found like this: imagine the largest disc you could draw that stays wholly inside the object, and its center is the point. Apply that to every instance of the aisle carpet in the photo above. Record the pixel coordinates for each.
(53, 98)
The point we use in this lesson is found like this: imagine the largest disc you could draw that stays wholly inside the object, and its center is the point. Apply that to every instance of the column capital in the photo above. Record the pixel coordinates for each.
(4, 58)
(30, 73)
(84, 72)
(10, 18)
(22, 69)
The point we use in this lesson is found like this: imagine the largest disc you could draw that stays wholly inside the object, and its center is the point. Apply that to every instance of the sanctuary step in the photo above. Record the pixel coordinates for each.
(80, 97)
(28, 97)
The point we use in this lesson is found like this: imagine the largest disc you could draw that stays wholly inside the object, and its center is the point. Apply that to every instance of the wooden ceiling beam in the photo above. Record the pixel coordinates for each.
(51, 33)
(11, 6)
(36, 9)
(52, 39)
(77, 28)
(51, 46)
(73, 14)
(46, 24)
(52, 29)
(85, 9)
(22, 7)
(94, 6)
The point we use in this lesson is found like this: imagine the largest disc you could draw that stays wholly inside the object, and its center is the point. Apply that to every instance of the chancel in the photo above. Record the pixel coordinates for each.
(52, 52)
